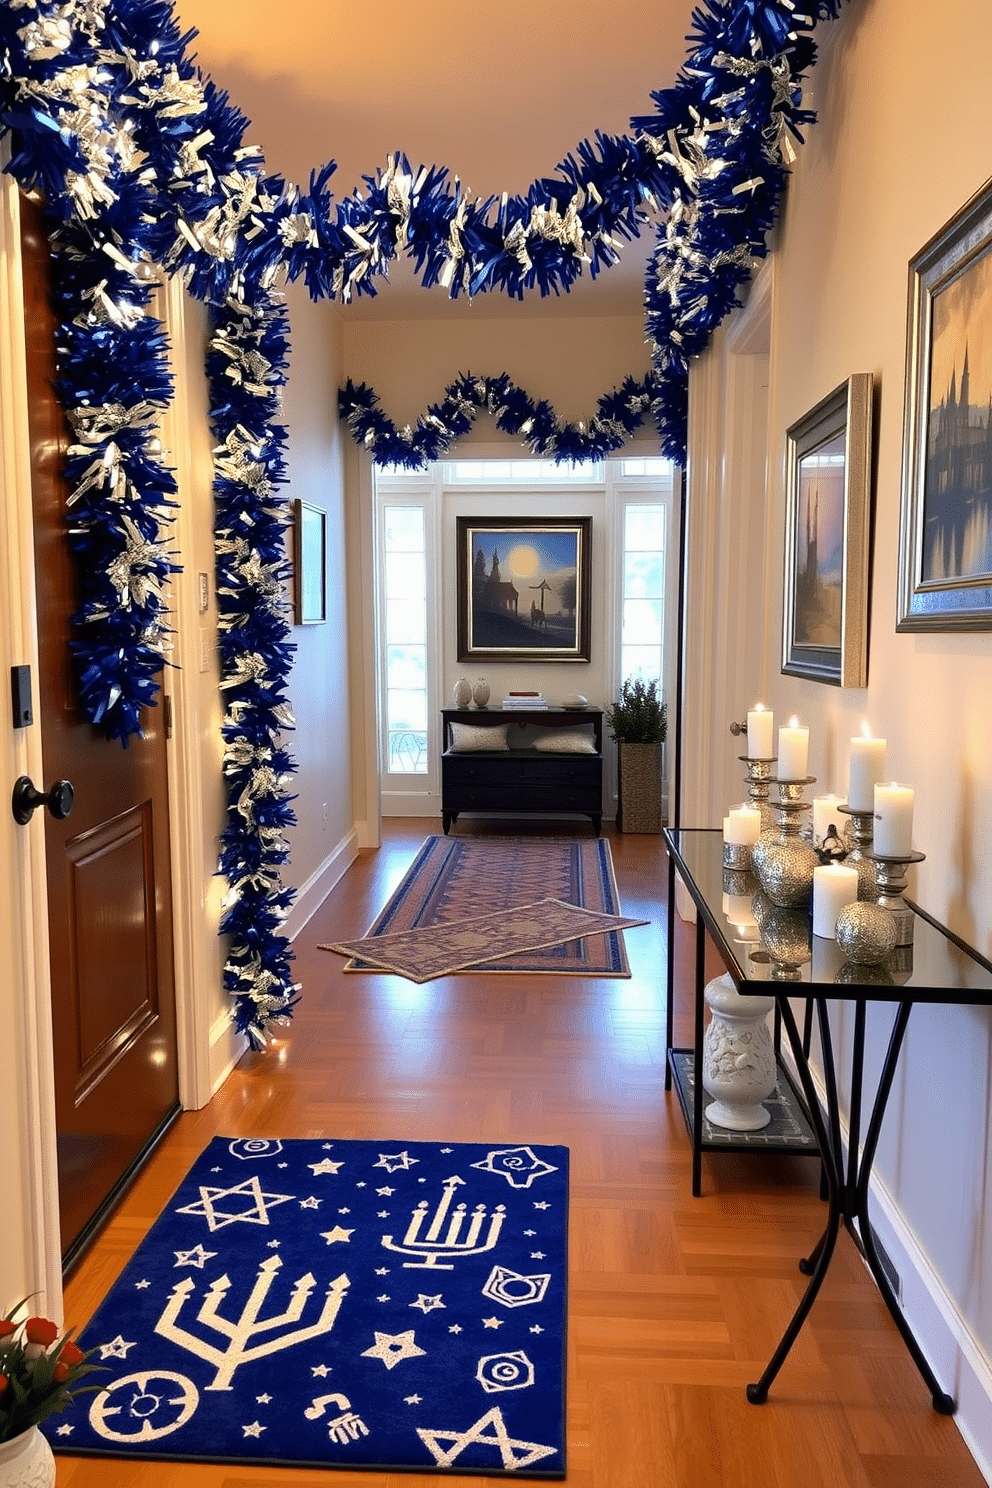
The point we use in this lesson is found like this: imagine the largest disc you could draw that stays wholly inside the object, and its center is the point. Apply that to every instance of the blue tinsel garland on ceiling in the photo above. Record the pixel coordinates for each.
(141, 160)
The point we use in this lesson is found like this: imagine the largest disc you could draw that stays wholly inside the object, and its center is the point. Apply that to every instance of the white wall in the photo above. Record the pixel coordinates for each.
(876, 180)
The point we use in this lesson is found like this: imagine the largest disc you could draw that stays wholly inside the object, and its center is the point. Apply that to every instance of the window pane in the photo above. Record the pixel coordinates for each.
(642, 622)
(645, 528)
(406, 709)
(406, 576)
(407, 752)
(642, 661)
(406, 667)
(643, 576)
(404, 529)
(406, 620)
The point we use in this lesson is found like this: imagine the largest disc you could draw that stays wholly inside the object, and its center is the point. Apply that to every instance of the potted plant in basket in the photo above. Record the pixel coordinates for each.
(40, 1371)
(638, 721)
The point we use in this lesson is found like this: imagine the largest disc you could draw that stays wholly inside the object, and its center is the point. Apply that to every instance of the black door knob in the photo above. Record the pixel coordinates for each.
(27, 798)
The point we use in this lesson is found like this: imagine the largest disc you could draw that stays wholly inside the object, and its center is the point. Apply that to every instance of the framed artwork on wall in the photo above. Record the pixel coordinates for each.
(828, 518)
(945, 542)
(524, 587)
(310, 588)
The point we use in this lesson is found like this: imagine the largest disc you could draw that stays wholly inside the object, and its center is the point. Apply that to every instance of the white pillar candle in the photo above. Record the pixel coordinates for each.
(760, 732)
(742, 826)
(893, 820)
(737, 908)
(793, 750)
(834, 886)
(825, 814)
(867, 767)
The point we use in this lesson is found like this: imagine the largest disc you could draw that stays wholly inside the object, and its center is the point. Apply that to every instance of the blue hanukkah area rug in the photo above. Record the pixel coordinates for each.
(362, 1305)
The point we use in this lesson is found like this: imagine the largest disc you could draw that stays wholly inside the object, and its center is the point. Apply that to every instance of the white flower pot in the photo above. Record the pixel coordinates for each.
(27, 1461)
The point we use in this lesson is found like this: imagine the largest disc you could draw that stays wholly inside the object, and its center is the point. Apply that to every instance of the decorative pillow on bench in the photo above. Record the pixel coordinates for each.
(567, 741)
(469, 737)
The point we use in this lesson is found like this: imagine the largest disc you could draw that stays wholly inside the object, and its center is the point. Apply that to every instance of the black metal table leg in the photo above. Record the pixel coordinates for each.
(757, 1393)
(670, 1007)
(942, 1402)
(697, 1045)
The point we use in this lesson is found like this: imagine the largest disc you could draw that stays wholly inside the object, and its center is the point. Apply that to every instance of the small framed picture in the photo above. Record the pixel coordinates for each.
(828, 517)
(945, 540)
(310, 588)
(524, 588)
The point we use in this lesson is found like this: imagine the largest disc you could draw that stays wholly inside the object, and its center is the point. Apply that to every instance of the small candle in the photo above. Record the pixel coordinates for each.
(743, 826)
(737, 908)
(793, 749)
(867, 767)
(834, 886)
(893, 820)
(760, 732)
(825, 815)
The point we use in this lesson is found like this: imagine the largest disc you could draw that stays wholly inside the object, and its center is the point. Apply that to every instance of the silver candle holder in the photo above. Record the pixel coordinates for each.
(758, 782)
(891, 874)
(783, 861)
(861, 831)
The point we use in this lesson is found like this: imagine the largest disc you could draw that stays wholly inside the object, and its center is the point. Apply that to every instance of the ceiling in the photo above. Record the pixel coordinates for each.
(499, 96)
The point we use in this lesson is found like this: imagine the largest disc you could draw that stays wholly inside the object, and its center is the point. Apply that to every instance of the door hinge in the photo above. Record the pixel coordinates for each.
(167, 713)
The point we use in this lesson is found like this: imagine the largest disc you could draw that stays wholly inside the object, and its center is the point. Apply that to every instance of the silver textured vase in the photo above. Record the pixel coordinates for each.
(783, 866)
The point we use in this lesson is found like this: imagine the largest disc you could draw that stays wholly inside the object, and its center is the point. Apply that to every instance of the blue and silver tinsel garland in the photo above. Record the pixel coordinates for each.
(140, 160)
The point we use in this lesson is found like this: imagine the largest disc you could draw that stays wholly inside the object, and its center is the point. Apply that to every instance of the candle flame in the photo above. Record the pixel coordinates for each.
(865, 730)
(793, 721)
(759, 707)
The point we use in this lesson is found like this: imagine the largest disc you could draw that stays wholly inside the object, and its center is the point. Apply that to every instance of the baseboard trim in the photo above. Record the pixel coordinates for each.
(311, 894)
(951, 1349)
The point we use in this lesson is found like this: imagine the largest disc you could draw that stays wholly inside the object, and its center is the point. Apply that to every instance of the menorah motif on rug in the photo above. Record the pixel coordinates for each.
(390, 1305)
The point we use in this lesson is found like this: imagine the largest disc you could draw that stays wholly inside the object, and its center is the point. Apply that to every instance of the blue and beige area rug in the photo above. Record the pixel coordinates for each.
(499, 904)
(358, 1305)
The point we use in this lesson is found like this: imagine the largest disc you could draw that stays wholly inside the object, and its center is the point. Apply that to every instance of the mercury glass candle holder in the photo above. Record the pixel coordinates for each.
(860, 833)
(891, 874)
(783, 861)
(759, 777)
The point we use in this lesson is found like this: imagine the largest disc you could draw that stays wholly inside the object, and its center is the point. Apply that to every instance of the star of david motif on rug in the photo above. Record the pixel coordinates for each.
(518, 1165)
(257, 1212)
(489, 1431)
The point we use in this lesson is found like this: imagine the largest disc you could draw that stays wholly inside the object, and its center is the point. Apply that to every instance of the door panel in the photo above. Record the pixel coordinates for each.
(109, 874)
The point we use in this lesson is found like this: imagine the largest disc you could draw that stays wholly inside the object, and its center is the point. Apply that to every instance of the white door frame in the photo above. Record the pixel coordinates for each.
(30, 1250)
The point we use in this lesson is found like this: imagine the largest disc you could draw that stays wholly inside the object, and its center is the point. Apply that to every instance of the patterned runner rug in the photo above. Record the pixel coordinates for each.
(536, 905)
(356, 1305)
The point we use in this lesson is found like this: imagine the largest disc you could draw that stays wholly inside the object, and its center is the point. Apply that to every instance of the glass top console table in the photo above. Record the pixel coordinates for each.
(937, 967)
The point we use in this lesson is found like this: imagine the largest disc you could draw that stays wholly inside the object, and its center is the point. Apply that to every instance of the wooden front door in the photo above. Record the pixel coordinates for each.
(109, 876)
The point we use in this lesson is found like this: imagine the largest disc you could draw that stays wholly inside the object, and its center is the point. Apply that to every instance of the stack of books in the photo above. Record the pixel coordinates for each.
(524, 700)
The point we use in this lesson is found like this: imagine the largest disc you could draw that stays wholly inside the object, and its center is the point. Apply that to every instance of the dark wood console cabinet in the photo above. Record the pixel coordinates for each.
(522, 779)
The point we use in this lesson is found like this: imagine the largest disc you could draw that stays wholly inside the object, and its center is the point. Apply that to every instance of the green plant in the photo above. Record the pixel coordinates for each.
(638, 716)
(39, 1372)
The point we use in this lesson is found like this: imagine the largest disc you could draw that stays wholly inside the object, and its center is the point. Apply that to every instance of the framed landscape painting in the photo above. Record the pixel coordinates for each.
(828, 514)
(523, 588)
(945, 551)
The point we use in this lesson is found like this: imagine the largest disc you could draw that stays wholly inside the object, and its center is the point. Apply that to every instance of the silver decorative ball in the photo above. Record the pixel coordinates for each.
(865, 933)
(784, 869)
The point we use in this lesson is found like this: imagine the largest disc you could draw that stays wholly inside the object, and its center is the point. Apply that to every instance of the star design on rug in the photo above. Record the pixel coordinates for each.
(411, 1400)
(143, 1285)
(542, 1205)
(537, 1328)
(326, 1146)
(383, 1214)
(490, 1431)
(492, 1322)
(385, 1192)
(530, 1232)
(263, 1399)
(537, 1255)
(255, 1429)
(396, 1161)
(363, 1185)
(447, 1149)
(282, 1165)
(197, 1257)
(65, 1431)
(382, 1270)
(455, 1328)
(256, 1213)
(332, 1236)
(117, 1348)
(391, 1348)
(345, 1210)
(311, 1203)
(325, 1166)
(272, 1244)
(518, 1165)
(321, 1371)
(383, 1298)
(428, 1304)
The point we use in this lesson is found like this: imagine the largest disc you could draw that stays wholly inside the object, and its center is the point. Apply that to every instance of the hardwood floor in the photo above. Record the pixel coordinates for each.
(675, 1303)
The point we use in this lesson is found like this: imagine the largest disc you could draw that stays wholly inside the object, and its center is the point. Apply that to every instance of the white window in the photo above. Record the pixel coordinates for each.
(642, 623)
(404, 554)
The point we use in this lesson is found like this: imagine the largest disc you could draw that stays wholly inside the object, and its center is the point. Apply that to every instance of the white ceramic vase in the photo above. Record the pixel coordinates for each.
(462, 694)
(27, 1461)
(738, 1057)
(480, 692)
